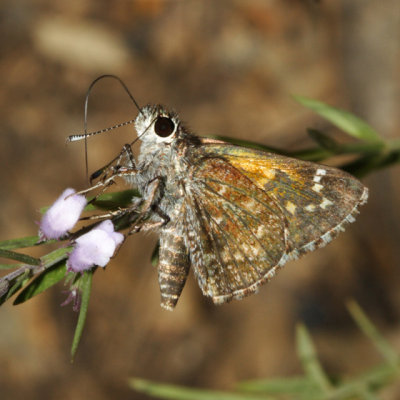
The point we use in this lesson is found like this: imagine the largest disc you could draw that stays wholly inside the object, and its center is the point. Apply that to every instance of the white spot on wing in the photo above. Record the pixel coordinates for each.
(325, 203)
(309, 247)
(317, 187)
(290, 207)
(327, 237)
(318, 175)
(317, 178)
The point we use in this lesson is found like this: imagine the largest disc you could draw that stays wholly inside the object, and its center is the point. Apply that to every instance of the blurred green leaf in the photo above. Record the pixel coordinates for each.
(369, 329)
(113, 200)
(45, 280)
(55, 256)
(375, 378)
(344, 120)
(85, 285)
(314, 155)
(324, 140)
(391, 158)
(163, 391)
(16, 280)
(365, 394)
(249, 144)
(292, 385)
(10, 266)
(362, 387)
(20, 243)
(361, 166)
(24, 258)
(309, 360)
(13, 282)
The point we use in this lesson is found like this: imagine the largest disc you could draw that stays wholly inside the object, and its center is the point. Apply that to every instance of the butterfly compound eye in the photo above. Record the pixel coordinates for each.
(164, 126)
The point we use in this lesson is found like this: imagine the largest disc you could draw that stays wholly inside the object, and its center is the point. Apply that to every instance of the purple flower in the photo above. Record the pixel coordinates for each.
(95, 247)
(62, 215)
(74, 297)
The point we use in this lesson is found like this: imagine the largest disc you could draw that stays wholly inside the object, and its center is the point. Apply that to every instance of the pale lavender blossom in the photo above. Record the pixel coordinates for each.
(74, 297)
(95, 247)
(62, 215)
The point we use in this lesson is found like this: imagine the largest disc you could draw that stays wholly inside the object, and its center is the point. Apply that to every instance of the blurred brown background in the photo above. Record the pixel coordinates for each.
(228, 67)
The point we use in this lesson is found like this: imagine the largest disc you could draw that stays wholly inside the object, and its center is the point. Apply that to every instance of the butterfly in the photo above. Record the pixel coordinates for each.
(235, 215)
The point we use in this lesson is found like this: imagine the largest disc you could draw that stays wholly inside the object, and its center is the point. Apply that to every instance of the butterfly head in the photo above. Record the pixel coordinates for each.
(157, 125)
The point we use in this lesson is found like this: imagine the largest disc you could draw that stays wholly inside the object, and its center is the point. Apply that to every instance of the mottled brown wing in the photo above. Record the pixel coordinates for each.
(236, 231)
(310, 204)
(315, 199)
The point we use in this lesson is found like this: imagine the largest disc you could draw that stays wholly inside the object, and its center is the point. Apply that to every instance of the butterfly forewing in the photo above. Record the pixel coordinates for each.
(256, 210)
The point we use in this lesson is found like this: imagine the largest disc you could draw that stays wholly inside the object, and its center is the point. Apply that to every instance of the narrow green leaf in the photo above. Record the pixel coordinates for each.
(44, 281)
(308, 357)
(4, 286)
(24, 258)
(55, 256)
(19, 243)
(292, 385)
(10, 266)
(20, 282)
(17, 279)
(114, 200)
(344, 120)
(364, 386)
(368, 163)
(164, 391)
(390, 158)
(126, 220)
(377, 377)
(85, 286)
(362, 148)
(324, 140)
(361, 166)
(369, 329)
(317, 154)
(249, 144)
(13, 282)
(366, 394)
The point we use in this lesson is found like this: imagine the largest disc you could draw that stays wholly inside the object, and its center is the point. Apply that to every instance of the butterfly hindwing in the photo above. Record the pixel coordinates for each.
(239, 234)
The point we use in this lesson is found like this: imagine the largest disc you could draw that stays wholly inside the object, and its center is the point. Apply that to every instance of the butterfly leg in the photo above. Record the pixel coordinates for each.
(148, 204)
(113, 170)
(111, 214)
(109, 173)
(108, 181)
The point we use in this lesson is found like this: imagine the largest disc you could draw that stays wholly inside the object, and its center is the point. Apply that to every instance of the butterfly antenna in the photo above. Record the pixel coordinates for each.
(81, 136)
(74, 138)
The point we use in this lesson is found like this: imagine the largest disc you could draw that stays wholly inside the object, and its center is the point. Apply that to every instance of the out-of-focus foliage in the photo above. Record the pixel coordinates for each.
(315, 384)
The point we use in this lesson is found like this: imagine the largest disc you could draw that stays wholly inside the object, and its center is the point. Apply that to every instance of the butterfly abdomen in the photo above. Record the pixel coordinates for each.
(173, 266)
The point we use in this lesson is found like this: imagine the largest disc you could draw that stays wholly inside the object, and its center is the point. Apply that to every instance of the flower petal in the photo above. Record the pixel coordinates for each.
(62, 215)
(95, 247)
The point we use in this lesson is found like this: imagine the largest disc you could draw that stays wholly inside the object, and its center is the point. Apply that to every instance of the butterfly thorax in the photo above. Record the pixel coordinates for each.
(165, 163)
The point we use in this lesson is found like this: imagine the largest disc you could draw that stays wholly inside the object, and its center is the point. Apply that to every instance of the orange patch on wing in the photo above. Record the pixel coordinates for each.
(260, 172)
